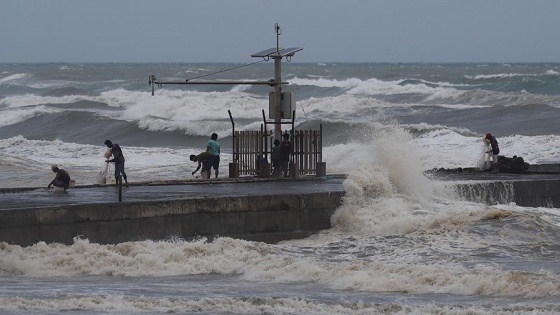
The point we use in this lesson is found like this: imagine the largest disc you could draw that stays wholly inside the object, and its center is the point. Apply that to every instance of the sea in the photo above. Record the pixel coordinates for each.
(402, 242)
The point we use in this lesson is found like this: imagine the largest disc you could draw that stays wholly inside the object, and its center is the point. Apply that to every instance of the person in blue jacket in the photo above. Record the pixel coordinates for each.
(214, 147)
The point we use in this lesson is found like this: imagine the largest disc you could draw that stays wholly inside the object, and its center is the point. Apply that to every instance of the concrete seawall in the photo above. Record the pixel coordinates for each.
(268, 218)
(263, 211)
(537, 192)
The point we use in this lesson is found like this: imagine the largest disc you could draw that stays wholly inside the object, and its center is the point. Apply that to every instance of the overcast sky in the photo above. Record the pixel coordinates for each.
(231, 30)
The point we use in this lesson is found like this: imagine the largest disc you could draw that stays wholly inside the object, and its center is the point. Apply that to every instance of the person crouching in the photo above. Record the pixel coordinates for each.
(62, 179)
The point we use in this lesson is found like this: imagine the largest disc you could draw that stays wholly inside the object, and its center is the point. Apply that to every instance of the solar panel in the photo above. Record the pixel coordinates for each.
(273, 52)
(286, 52)
(265, 53)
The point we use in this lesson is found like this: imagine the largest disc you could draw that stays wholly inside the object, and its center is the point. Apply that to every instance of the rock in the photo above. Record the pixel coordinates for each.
(515, 165)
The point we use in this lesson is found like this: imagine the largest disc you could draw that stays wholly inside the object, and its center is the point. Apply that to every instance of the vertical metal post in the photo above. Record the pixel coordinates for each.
(278, 86)
(277, 98)
(235, 157)
(119, 184)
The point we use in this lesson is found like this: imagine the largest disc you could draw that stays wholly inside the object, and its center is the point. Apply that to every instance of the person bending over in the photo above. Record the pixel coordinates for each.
(204, 159)
(118, 158)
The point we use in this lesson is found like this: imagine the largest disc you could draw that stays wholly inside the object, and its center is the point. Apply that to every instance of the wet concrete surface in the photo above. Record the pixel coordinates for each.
(137, 192)
(20, 198)
(489, 176)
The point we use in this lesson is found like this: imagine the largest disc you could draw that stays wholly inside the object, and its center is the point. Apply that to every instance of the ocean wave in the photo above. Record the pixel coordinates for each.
(407, 91)
(373, 87)
(257, 262)
(127, 304)
(481, 77)
(423, 128)
(435, 84)
(33, 100)
(177, 107)
(48, 84)
(14, 116)
(13, 77)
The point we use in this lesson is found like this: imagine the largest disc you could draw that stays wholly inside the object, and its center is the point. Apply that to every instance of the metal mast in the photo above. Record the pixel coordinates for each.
(277, 54)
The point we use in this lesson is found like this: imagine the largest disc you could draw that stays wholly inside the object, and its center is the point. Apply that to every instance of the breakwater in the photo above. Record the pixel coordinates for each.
(539, 186)
(275, 212)
(268, 211)
(527, 193)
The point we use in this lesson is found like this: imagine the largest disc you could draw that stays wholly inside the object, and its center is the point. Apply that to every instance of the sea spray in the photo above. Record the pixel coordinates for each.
(485, 157)
(388, 192)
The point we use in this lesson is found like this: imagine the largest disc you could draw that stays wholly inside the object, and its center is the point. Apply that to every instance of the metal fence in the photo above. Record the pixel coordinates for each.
(248, 146)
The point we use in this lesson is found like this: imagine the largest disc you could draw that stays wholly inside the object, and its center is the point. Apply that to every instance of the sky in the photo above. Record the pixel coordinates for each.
(232, 30)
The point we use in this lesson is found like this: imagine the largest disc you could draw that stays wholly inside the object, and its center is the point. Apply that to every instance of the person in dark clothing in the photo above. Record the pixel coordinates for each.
(275, 158)
(495, 151)
(205, 160)
(62, 179)
(260, 160)
(285, 151)
(118, 158)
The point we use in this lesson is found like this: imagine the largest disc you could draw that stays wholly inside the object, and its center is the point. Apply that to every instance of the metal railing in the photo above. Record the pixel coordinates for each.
(248, 146)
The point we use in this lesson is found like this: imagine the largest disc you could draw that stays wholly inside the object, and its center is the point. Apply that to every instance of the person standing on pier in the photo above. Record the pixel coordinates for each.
(285, 151)
(214, 147)
(118, 158)
(62, 179)
(495, 151)
(275, 158)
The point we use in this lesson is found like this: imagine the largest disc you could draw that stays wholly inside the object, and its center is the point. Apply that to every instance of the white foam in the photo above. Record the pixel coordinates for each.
(124, 304)
(509, 75)
(33, 100)
(387, 191)
(253, 261)
(133, 259)
(194, 113)
(372, 86)
(13, 77)
(14, 116)
(449, 149)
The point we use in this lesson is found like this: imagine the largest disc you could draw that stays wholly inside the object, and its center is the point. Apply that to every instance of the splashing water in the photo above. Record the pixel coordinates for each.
(484, 162)
(389, 193)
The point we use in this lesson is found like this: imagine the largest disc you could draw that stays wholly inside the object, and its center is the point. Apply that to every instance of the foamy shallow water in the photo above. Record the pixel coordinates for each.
(231, 295)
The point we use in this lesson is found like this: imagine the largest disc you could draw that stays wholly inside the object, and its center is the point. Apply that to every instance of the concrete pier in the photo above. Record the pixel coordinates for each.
(535, 189)
(527, 193)
(268, 210)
